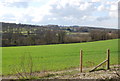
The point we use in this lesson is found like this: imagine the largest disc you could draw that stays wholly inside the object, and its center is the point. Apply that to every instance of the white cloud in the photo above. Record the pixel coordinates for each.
(19, 0)
(63, 12)
(114, 7)
(39, 13)
(95, 0)
(113, 14)
(113, 10)
(17, 4)
(101, 8)
(85, 6)
(103, 18)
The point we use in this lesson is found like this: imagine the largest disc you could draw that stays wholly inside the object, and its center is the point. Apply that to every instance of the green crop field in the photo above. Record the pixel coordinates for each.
(59, 56)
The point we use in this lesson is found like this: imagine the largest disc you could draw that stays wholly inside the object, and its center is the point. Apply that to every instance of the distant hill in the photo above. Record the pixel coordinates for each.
(57, 27)
(24, 34)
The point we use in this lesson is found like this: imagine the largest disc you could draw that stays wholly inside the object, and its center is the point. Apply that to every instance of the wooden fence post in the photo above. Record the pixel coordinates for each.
(108, 59)
(81, 52)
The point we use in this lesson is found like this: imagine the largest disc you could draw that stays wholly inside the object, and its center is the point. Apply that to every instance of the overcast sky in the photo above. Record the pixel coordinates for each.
(102, 13)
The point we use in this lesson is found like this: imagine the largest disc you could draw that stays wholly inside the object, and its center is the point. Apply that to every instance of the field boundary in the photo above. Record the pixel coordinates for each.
(107, 61)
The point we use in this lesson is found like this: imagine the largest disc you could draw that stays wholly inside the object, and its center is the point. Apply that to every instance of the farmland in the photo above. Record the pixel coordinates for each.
(18, 34)
(59, 56)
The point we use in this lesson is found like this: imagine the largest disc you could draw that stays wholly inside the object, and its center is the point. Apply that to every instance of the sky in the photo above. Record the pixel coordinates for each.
(101, 13)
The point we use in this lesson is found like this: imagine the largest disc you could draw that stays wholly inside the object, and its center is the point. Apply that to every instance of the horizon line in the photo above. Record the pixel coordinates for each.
(63, 25)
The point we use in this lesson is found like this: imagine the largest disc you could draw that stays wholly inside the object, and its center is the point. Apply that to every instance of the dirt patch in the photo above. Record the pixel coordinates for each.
(74, 73)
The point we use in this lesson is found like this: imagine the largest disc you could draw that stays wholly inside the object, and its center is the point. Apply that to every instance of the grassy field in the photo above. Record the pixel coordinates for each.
(59, 56)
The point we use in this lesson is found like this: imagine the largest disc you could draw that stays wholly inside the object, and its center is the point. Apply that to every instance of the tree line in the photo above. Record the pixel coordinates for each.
(24, 35)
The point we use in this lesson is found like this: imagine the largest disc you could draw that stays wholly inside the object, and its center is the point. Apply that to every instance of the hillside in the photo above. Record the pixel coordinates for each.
(18, 34)
(59, 56)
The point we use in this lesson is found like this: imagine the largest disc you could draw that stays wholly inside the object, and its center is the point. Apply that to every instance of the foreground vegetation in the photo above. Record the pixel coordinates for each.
(59, 56)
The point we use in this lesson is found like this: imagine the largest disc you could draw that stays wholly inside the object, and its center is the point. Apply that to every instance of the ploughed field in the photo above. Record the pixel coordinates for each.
(57, 57)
